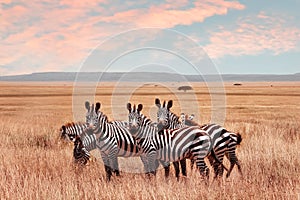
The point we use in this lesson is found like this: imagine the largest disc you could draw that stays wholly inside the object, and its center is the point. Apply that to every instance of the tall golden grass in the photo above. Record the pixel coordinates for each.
(36, 164)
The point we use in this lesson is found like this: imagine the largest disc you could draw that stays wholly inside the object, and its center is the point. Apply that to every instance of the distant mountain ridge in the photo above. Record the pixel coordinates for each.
(146, 76)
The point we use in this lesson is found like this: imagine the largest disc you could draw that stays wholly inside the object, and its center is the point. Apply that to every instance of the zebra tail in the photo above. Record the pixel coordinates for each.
(217, 159)
(239, 139)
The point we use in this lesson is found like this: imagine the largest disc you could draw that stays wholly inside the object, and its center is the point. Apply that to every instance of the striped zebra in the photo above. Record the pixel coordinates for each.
(220, 136)
(92, 119)
(126, 144)
(73, 131)
(105, 141)
(225, 144)
(168, 120)
(169, 145)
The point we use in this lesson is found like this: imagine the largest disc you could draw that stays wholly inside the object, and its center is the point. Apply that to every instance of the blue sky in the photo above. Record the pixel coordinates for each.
(239, 37)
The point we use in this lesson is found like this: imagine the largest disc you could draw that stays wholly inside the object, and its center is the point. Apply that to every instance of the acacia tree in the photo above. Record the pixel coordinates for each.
(185, 88)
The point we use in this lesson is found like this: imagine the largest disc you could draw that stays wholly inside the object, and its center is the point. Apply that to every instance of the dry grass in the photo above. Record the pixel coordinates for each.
(36, 165)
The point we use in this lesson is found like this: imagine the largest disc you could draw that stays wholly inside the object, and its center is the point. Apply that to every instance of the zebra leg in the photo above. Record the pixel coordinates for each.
(106, 166)
(183, 167)
(203, 169)
(166, 166)
(233, 160)
(151, 163)
(113, 161)
(115, 165)
(214, 165)
(145, 163)
(177, 171)
(218, 168)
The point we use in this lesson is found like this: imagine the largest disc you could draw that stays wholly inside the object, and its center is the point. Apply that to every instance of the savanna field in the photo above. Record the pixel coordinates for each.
(36, 164)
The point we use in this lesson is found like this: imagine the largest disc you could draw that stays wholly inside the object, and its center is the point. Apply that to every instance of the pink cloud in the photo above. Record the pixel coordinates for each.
(44, 35)
(167, 16)
(252, 37)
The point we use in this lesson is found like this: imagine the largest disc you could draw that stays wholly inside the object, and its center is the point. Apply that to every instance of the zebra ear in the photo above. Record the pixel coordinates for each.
(170, 104)
(63, 127)
(140, 107)
(191, 117)
(87, 105)
(164, 104)
(129, 107)
(98, 105)
(157, 102)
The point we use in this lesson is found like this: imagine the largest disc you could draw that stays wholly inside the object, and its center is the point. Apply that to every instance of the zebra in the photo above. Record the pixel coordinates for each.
(80, 154)
(220, 136)
(85, 138)
(125, 143)
(92, 118)
(225, 143)
(169, 144)
(168, 120)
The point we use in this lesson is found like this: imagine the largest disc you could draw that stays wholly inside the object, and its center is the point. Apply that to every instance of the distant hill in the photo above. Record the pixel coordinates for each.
(146, 76)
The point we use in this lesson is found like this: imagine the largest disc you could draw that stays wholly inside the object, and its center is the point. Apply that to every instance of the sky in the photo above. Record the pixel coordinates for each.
(233, 37)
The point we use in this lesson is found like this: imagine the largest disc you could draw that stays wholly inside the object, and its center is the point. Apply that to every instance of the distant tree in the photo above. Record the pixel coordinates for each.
(185, 88)
(237, 84)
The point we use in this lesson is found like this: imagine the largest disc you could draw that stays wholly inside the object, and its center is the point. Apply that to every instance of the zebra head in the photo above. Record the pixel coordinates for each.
(163, 113)
(71, 130)
(183, 117)
(92, 115)
(68, 132)
(80, 154)
(134, 117)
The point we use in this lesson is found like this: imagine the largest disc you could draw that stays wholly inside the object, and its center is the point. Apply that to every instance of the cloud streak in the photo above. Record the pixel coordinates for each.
(253, 36)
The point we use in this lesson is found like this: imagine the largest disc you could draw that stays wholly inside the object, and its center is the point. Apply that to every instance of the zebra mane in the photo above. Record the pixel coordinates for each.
(147, 121)
(103, 117)
(173, 120)
(175, 117)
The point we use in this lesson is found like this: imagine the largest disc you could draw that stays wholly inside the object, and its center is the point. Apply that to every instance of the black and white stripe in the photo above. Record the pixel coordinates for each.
(168, 120)
(80, 154)
(71, 130)
(118, 136)
(170, 145)
(225, 143)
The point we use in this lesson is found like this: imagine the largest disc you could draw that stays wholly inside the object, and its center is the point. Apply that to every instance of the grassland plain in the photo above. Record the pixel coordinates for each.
(35, 164)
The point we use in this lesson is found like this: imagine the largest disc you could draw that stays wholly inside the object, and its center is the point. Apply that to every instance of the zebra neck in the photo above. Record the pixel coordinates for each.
(173, 121)
(146, 121)
(78, 129)
(89, 142)
(101, 130)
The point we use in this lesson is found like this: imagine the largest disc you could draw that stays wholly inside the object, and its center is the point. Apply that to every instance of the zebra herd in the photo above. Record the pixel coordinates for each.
(169, 139)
